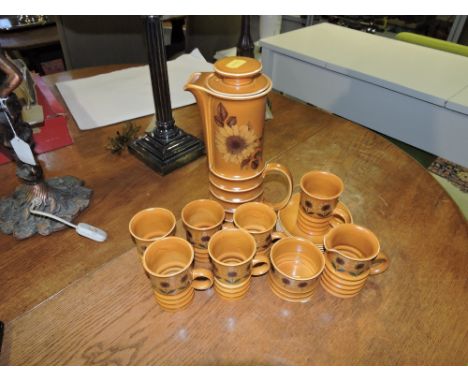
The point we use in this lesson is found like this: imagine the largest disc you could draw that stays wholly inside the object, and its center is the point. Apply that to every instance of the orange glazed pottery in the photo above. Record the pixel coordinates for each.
(287, 220)
(232, 103)
(259, 220)
(169, 265)
(296, 265)
(149, 225)
(232, 254)
(320, 192)
(202, 218)
(352, 255)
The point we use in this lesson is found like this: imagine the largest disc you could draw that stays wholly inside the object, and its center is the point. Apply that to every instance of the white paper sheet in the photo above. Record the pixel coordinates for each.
(126, 94)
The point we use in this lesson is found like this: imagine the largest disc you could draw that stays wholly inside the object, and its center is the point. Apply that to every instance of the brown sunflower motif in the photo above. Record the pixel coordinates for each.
(340, 261)
(165, 288)
(307, 207)
(232, 277)
(358, 269)
(204, 240)
(325, 210)
(237, 144)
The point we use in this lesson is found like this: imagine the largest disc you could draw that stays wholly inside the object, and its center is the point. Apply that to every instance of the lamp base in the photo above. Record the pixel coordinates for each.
(63, 196)
(163, 155)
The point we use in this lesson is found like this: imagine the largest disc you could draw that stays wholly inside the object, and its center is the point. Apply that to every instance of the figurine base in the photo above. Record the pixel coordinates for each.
(63, 196)
(166, 156)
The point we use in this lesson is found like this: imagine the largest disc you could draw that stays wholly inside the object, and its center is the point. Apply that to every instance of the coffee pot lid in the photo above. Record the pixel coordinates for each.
(239, 77)
(237, 67)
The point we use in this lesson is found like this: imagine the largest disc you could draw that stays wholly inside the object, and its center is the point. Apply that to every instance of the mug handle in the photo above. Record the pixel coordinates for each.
(261, 265)
(341, 215)
(379, 264)
(276, 167)
(206, 277)
(276, 235)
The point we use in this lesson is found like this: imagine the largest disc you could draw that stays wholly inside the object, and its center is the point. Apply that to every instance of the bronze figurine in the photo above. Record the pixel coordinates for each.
(62, 196)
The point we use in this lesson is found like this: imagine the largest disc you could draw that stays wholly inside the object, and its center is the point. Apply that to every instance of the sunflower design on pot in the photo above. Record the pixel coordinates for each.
(238, 144)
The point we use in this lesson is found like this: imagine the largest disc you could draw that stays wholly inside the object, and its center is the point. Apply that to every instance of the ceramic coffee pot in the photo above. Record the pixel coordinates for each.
(232, 102)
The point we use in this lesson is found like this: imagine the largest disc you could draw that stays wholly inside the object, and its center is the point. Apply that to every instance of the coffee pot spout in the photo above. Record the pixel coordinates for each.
(196, 85)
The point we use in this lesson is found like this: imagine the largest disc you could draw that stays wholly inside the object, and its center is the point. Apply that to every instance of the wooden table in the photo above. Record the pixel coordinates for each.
(68, 300)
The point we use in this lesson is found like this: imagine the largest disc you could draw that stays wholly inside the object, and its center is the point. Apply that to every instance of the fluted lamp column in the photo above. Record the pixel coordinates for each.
(166, 147)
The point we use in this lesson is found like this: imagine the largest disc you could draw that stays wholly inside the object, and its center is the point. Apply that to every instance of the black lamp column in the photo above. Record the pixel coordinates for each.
(245, 45)
(166, 147)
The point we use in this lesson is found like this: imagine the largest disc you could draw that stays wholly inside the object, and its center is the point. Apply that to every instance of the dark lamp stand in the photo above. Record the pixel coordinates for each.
(166, 147)
(245, 46)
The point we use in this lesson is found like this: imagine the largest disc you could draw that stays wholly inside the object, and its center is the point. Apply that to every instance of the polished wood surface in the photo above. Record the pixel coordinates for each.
(29, 38)
(68, 300)
(122, 186)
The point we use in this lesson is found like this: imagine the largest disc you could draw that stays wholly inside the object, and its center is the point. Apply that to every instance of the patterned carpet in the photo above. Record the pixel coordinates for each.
(455, 174)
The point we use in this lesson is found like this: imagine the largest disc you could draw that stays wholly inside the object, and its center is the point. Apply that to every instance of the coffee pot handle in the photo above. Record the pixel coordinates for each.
(379, 264)
(276, 167)
(340, 215)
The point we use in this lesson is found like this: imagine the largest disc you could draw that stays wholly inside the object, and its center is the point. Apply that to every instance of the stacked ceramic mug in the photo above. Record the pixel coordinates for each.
(296, 265)
(316, 214)
(320, 192)
(168, 263)
(202, 219)
(352, 255)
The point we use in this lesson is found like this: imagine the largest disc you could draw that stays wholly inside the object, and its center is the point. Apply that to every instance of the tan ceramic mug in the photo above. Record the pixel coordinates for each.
(169, 264)
(296, 266)
(232, 252)
(320, 192)
(259, 220)
(352, 255)
(150, 225)
(202, 218)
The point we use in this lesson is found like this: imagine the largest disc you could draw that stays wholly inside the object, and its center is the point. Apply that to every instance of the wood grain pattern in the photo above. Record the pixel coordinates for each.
(122, 186)
(415, 313)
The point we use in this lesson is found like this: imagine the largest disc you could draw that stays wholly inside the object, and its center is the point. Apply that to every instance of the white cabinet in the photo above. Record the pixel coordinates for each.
(412, 93)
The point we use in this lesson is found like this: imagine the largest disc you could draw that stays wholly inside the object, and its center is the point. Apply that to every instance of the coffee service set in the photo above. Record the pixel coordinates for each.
(306, 239)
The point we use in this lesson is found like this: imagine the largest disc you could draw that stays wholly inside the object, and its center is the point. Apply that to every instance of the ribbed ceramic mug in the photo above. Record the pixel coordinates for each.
(150, 225)
(320, 192)
(169, 264)
(232, 252)
(259, 220)
(202, 218)
(352, 255)
(296, 266)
